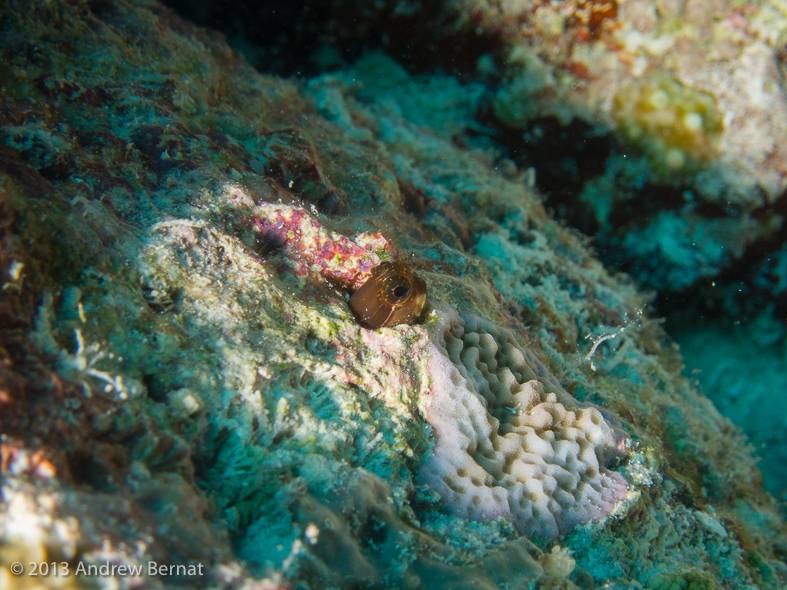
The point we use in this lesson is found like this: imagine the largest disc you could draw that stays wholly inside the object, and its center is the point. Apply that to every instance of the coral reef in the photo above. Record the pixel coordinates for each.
(511, 442)
(183, 383)
(675, 126)
(695, 141)
(627, 111)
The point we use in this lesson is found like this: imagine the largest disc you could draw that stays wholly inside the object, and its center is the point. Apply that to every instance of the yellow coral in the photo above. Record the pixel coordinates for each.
(676, 126)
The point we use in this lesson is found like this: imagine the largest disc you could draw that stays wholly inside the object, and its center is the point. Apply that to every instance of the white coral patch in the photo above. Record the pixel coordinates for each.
(511, 442)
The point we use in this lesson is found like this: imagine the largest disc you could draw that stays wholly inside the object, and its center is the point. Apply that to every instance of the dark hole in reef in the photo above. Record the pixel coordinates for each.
(93, 464)
(101, 8)
(307, 38)
(330, 202)
(156, 388)
(374, 533)
(564, 157)
(267, 246)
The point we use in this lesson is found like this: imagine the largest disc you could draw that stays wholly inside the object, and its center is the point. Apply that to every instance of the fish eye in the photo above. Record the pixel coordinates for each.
(399, 292)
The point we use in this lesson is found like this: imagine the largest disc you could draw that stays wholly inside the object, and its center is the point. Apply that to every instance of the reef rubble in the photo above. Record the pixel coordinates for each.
(183, 383)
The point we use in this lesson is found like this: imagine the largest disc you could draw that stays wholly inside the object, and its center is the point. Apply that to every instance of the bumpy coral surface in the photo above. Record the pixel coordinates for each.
(511, 442)
(676, 126)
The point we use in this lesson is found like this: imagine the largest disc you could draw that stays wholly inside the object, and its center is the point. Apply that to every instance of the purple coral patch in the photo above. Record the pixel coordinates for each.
(310, 247)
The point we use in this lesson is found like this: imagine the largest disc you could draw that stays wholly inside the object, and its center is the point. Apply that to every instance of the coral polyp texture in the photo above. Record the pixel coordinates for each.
(678, 127)
(511, 442)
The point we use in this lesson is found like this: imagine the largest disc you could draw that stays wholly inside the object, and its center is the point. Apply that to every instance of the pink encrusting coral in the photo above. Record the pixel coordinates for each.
(310, 247)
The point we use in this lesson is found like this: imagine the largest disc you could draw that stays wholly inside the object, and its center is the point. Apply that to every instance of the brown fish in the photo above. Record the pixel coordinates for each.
(393, 295)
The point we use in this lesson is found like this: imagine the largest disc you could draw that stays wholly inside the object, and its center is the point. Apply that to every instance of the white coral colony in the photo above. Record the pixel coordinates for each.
(510, 441)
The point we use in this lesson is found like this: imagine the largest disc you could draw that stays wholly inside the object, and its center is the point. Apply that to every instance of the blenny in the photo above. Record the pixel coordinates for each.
(393, 295)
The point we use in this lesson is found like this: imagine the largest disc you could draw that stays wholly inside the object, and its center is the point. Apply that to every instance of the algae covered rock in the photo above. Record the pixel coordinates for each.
(184, 389)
